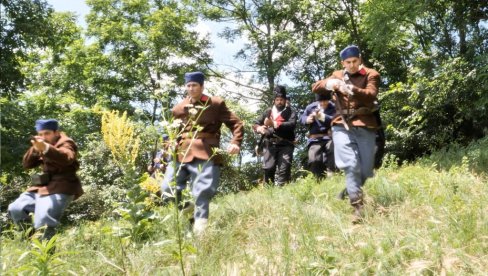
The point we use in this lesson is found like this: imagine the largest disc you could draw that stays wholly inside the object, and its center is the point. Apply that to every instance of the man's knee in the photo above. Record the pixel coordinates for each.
(205, 189)
(16, 211)
(15, 207)
(49, 209)
(47, 217)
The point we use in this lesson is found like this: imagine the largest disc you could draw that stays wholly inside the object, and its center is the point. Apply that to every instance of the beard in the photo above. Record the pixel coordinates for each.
(280, 106)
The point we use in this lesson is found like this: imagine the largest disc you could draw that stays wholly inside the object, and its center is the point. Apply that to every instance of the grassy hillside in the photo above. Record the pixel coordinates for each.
(430, 217)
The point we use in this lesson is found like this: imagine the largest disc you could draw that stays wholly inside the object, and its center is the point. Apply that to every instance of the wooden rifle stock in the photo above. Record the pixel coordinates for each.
(339, 107)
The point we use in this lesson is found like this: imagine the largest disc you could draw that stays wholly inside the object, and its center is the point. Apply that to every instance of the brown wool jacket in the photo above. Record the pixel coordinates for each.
(365, 87)
(59, 161)
(213, 112)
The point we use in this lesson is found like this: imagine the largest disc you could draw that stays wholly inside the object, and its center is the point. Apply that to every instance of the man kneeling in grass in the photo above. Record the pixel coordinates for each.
(54, 188)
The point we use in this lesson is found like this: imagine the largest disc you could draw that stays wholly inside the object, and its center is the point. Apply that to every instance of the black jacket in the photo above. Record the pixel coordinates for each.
(286, 130)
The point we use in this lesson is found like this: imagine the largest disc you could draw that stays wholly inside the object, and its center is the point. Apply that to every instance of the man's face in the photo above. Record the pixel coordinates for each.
(49, 136)
(194, 89)
(323, 104)
(280, 102)
(351, 64)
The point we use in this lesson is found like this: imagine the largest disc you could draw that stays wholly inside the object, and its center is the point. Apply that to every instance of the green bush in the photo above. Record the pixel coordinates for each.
(435, 109)
(473, 157)
(91, 206)
(239, 178)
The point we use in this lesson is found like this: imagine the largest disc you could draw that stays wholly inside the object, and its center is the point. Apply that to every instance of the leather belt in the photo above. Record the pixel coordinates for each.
(278, 140)
(275, 140)
(354, 112)
(199, 135)
(317, 135)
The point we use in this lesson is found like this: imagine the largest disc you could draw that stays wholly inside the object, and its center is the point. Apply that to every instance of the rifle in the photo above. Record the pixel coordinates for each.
(259, 147)
(154, 153)
(339, 107)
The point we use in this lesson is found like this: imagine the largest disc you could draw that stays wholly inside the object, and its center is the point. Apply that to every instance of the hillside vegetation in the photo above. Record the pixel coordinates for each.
(424, 218)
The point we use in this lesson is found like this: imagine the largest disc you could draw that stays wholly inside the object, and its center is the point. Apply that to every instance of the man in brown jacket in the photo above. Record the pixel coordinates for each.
(58, 184)
(354, 126)
(201, 118)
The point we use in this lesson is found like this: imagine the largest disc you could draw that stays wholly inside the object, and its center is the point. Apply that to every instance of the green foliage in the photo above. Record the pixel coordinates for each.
(43, 258)
(432, 58)
(18, 117)
(430, 55)
(418, 220)
(58, 74)
(9, 191)
(432, 111)
(24, 25)
(135, 211)
(98, 168)
(33, 41)
(473, 158)
(138, 42)
(93, 205)
(269, 29)
(231, 180)
(119, 135)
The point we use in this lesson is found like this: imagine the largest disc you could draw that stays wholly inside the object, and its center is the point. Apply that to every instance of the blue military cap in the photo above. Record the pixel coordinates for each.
(47, 124)
(350, 51)
(195, 77)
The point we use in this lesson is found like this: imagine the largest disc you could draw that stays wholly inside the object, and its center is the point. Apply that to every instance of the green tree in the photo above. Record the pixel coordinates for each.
(144, 43)
(269, 28)
(24, 25)
(432, 55)
(31, 31)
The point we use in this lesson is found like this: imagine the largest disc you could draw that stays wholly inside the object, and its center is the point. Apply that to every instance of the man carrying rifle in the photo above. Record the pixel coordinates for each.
(277, 125)
(354, 127)
(317, 117)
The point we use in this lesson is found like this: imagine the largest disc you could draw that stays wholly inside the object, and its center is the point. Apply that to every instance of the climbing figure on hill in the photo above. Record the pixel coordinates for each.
(355, 90)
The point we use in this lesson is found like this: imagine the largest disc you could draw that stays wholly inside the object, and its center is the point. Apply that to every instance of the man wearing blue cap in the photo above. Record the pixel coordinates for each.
(354, 127)
(201, 118)
(317, 116)
(54, 188)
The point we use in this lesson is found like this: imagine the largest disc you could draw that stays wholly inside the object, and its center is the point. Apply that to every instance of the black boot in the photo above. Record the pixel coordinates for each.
(358, 206)
(342, 195)
(48, 233)
(269, 176)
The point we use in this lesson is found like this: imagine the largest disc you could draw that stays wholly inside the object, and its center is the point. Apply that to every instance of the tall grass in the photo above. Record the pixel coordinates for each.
(424, 218)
